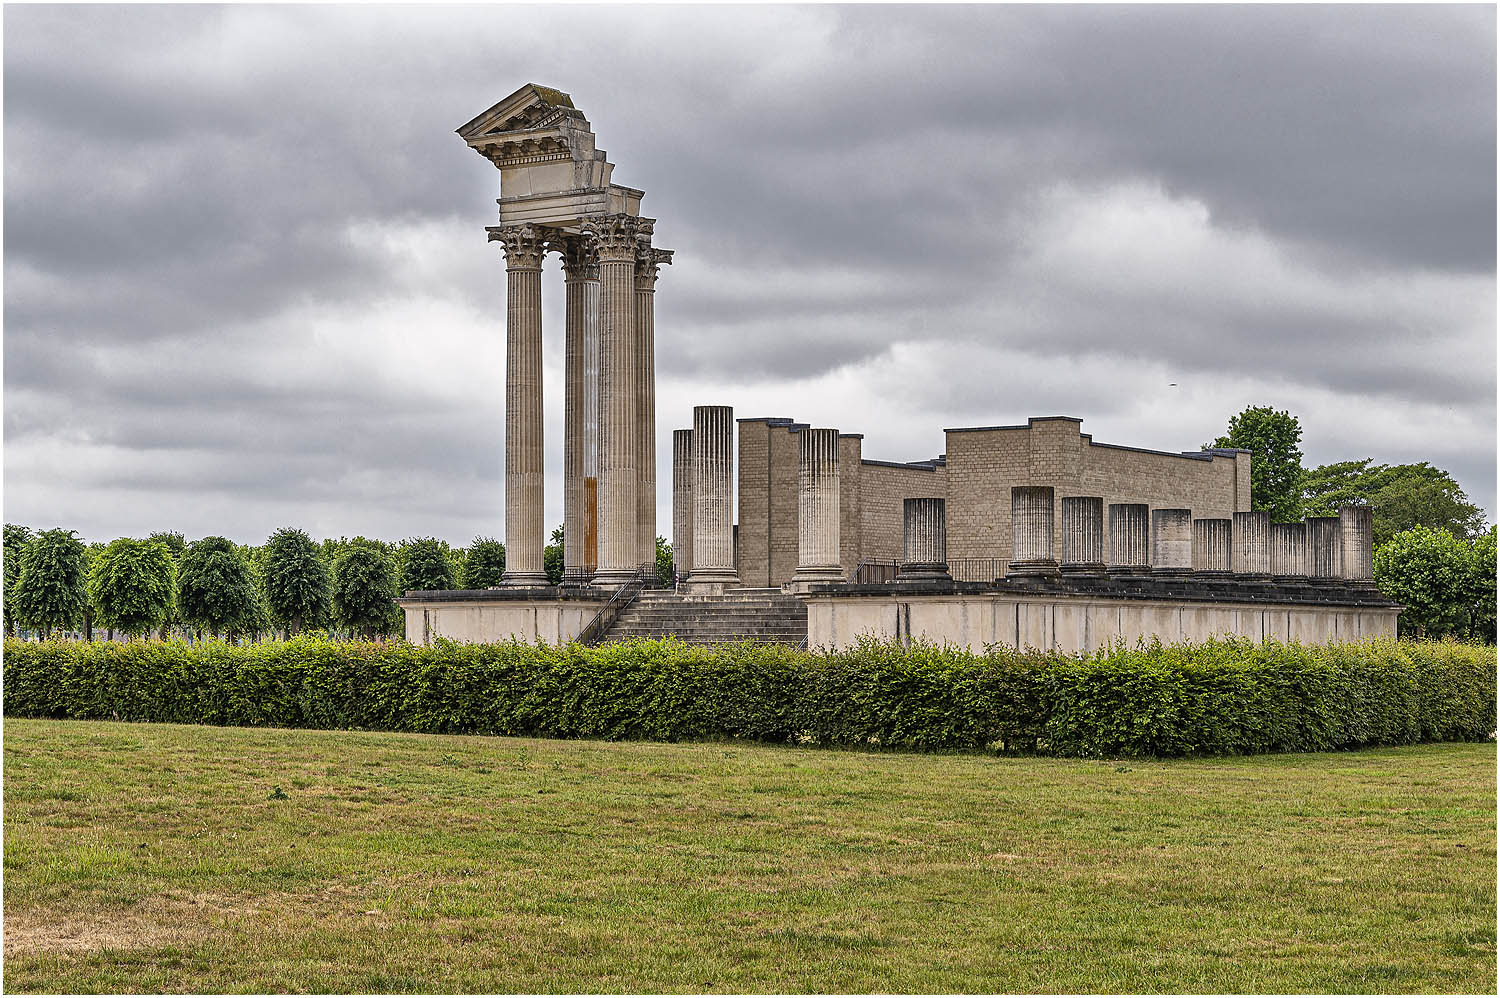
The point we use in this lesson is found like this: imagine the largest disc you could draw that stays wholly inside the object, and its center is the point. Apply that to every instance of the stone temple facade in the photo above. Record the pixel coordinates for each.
(1022, 535)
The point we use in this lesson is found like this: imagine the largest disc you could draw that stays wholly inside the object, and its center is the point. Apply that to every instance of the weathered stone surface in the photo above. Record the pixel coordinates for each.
(1357, 536)
(1325, 548)
(580, 410)
(1031, 527)
(1129, 538)
(1289, 551)
(1212, 545)
(648, 260)
(924, 540)
(1250, 546)
(817, 508)
(1083, 534)
(682, 502)
(713, 509)
(1171, 541)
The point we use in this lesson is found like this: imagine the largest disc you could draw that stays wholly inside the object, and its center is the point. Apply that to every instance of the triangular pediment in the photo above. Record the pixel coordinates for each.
(531, 107)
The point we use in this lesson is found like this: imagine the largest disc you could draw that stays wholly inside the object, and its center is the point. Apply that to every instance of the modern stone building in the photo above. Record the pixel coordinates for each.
(1028, 534)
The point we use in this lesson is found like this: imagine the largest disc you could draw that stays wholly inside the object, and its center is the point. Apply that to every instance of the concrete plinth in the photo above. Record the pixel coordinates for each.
(1289, 551)
(1031, 531)
(1250, 546)
(682, 502)
(924, 532)
(1357, 534)
(713, 512)
(817, 509)
(1171, 541)
(1129, 538)
(1325, 548)
(1083, 535)
(1212, 546)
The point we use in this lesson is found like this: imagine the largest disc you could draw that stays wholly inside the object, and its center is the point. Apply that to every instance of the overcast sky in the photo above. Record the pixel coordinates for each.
(247, 283)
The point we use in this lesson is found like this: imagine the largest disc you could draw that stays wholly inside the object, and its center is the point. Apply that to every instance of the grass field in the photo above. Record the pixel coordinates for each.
(159, 858)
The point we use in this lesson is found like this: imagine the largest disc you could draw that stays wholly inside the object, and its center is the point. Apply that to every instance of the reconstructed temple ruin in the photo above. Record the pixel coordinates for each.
(1023, 535)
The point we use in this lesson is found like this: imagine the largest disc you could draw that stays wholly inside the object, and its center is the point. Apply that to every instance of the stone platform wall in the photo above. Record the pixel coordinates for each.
(486, 615)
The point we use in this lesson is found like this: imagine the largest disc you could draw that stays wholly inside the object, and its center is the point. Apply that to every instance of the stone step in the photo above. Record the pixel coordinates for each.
(766, 615)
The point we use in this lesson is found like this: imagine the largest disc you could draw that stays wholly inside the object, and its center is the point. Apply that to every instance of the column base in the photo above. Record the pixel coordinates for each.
(1038, 569)
(1259, 578)
(524, 580)
(1126, 571)
(923, 571)
(610, 578)
(1083, 568)
(805, 578)
(711, 582)
(1171, 573)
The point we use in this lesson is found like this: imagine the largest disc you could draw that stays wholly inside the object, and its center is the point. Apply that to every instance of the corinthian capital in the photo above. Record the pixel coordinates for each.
(616, 235)
(647, 259)
(525, 245)
(580, 258)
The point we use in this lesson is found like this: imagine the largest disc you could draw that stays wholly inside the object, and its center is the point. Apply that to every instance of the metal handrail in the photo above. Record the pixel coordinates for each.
(622, 597)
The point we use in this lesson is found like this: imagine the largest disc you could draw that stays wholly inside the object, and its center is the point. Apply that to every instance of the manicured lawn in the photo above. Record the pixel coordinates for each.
(158, 858)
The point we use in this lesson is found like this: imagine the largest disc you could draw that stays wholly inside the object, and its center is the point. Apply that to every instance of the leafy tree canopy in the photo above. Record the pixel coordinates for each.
(131, 583)
(425, 565)
(1272, 437)
(663, 561)
(16, 538)
(553, 562)
(50, 590)
(364, 584)
(299, 590)
(216, 587)
(1443, 582)
(485, 564)
(1400, 497)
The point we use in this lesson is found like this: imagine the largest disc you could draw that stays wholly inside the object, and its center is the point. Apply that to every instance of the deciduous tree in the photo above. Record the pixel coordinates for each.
(425, 565)
(216, 588)
(364, 585)
(485, 564)
(16, 538)
(1271, 436)
(131, 583)
(299, 591)
(51, 593)
(1400, 497)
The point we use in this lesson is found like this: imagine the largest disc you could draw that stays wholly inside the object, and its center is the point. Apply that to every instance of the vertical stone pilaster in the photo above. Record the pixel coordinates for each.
(647, 260)
(817, 509)
(1325, 548)
(1083, 535)
(1357, 532)
(525, 246)
(580, 420)
(1171, 541)
(1250, 546)
(616, 237)
(924, 536)
(713, 510)
(682, 502)
(1212, 545)
(1289, 552)
(1129, 538)
(1031, 528)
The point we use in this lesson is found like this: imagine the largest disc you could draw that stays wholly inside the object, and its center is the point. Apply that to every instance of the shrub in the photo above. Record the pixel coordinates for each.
(1220, 697)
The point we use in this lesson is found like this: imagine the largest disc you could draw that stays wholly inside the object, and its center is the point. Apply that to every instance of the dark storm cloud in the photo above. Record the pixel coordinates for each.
(244, 243)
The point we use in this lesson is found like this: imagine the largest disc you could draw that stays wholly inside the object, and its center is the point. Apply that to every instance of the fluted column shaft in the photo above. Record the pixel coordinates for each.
(1288, 551)
(682, 501)
(1171, 541)
(1129, 538)
(1083, 534)
(580, 480)
(817, 507)
(1357, 530)
(924, 535)
(1031, 530)
(525, 245)
(615, 237)
(1212, 543)
(713, 508)
(1325, 548)
(1250, 547)
(646, 263)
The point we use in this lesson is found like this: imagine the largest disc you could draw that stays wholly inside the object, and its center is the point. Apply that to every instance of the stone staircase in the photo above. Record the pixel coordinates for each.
(740, 615)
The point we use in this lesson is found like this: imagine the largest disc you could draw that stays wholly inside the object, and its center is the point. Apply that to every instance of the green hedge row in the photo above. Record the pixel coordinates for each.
(1220, 697)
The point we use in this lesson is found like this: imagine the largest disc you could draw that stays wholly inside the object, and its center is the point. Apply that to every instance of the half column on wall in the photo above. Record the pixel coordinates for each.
(817, 509)
(713, 513)
(1288, 551)
(1250, 546)
(1031, 531)
(1083, 535)
(1325, 548)
(924, 541)
(1212, 540)
(682, 502)
(1171, 541)
(1129, 538)
(1357, 532)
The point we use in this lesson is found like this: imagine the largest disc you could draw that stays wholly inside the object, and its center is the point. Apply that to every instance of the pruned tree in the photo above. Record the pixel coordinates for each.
(132, 585)
(425, 565)
(299, 591)
(216, 588)
(16, 538)
(364, 586)
(50, 588)
(485, 565)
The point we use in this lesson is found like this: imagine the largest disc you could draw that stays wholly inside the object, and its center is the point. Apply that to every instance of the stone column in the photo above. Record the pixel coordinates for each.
(1357, 530)
(924, 530)
(647, 260)
(580, 475)
(682, 502)
(713, 506)
(1325, 548)
(1031, 531)
(817, 509)
(1250, 546)
(1171, 541)
(1129, 538)
(525, 245)
(1212, 545)
(1289, 552)
(1083, 535)
(616, 239)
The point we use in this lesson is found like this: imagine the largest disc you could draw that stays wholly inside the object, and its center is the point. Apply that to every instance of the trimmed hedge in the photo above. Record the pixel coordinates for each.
(1215, 698)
